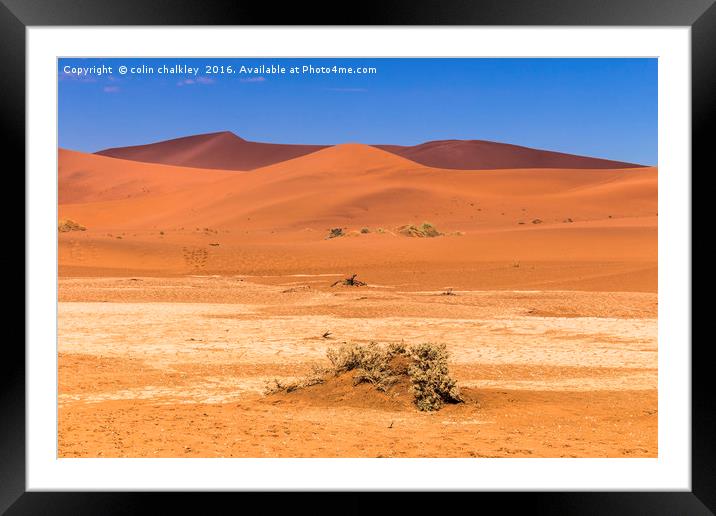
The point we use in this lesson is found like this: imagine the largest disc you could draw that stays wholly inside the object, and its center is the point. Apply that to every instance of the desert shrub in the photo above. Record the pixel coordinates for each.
(383, 366)
(66, 225)
(365, 230)
(315, 377)
(380, 230)
(432, 385)
(349, 357)
(372, 363)
(429, 230)
(425, 230)
(424, 366)
(335, 232)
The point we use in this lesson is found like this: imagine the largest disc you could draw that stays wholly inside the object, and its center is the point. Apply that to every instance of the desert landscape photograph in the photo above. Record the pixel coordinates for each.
(379, 258)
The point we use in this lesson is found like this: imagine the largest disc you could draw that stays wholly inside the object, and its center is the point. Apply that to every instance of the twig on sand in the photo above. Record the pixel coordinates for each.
(352, 282)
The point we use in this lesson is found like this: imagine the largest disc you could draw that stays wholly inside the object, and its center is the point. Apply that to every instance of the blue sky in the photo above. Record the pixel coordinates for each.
(596, 107)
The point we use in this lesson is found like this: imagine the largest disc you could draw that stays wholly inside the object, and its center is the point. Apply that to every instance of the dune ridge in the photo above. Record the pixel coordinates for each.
(482, 155)
(223, 150)
(227, 151)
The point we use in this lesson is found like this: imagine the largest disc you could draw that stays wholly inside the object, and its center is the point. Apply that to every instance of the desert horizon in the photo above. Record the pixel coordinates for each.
(224, 297)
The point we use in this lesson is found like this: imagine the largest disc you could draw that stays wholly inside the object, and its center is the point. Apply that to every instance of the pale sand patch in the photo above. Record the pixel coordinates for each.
(168, 335)
(163, 331)
(209, 390)
(641, 381)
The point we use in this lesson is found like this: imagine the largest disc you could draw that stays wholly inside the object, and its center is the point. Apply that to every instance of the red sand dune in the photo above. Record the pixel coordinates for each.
(223, 150)
(484, 155)
(226, 151)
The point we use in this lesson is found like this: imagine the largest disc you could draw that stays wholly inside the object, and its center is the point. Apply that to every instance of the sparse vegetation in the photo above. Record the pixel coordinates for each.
(432, 385)
(350, 282)
(423, 367)
(365, 230)
(335, 232)
(425, 230)
(66, 225)
(448, 292)
(372, 363)
(316, 377)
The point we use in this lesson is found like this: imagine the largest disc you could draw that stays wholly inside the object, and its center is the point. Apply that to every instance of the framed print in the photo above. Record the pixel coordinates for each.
(439, 249)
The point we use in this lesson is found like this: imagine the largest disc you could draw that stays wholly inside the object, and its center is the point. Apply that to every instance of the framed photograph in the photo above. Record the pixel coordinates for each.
(442, 248)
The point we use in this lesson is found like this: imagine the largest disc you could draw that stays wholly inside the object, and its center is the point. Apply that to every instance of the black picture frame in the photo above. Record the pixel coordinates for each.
(16, 15)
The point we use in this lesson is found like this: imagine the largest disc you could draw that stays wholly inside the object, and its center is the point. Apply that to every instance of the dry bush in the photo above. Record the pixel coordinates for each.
(365, 230)
(425, 230)
(432, 385)
(335, 232)
(315, 377)
(383, 366)
(372, 363)
(66, 225)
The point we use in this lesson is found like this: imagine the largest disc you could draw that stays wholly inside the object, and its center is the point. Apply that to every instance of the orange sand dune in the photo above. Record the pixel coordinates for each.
(91, 178)
(481, 155)
(276, 218)
(354, 185)
(223, 150)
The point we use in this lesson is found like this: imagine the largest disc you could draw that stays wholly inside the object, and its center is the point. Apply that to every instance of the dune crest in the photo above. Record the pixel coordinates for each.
(484, 155)
(226, 151)
(223, 150)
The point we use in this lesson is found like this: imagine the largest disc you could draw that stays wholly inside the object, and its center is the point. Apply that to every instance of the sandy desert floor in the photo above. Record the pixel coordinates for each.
(167, 367)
